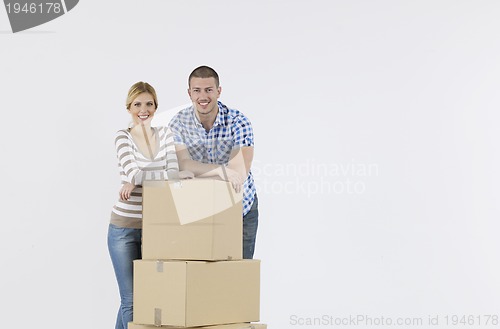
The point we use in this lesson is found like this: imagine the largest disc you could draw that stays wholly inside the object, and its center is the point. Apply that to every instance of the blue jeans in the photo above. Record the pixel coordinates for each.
(124, 245)
(250, 224)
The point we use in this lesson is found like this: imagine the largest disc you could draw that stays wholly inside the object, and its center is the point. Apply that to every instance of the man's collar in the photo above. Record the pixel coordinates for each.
(219, 119)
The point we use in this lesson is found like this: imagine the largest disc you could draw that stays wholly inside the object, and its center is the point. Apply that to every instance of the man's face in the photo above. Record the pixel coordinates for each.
(204, 94)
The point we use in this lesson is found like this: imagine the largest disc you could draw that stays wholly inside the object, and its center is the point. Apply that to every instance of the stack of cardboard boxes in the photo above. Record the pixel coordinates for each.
(192, 273)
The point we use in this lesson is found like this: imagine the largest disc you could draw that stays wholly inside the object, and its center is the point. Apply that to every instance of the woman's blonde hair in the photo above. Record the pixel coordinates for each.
(139, 88)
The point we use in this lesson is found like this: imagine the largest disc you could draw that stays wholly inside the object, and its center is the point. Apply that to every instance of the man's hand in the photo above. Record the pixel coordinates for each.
(125, 191)
(233, 177)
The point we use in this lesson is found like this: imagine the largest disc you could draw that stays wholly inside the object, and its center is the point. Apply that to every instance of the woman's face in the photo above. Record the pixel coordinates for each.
(142, 109)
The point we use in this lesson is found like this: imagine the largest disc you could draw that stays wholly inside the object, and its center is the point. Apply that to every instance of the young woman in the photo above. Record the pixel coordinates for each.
(144, 153)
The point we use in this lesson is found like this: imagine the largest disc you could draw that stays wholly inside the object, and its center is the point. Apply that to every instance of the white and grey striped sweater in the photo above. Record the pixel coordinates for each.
(135, 168)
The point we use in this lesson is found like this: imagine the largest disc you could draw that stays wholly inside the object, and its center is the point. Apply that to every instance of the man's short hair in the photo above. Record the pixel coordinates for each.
(204, 72)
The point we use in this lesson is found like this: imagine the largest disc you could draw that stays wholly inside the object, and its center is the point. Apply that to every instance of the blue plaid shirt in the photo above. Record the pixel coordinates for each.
(231, 130)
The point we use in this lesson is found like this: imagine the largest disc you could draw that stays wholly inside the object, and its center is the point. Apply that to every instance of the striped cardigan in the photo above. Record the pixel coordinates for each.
(135, 168)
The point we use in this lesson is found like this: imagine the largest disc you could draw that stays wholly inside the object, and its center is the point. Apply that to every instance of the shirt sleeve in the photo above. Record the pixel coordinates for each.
(172, 163)
(129, 167)
(126, 159)
(176, 129)
(243, 132)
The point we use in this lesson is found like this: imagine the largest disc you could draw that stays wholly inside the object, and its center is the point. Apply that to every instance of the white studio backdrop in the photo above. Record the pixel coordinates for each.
(376, 154)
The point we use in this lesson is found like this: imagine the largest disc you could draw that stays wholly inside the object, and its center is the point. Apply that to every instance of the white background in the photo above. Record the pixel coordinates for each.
(407, 89)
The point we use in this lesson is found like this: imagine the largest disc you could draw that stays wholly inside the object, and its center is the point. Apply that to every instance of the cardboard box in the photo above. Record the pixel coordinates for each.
(196, 293)
(246, 325)
(198, 219)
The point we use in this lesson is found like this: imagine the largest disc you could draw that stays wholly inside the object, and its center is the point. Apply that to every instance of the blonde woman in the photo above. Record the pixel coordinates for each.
(144, 153)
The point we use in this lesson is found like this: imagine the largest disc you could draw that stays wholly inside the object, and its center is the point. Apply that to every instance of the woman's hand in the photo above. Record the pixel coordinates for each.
(185, 174)
(125, 191)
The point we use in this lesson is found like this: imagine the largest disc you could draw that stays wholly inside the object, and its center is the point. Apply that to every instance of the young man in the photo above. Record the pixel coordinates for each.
(214, 140)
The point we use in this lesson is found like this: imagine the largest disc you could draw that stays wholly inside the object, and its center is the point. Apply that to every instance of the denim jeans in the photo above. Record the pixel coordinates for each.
(250, 224)
(124, 245)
